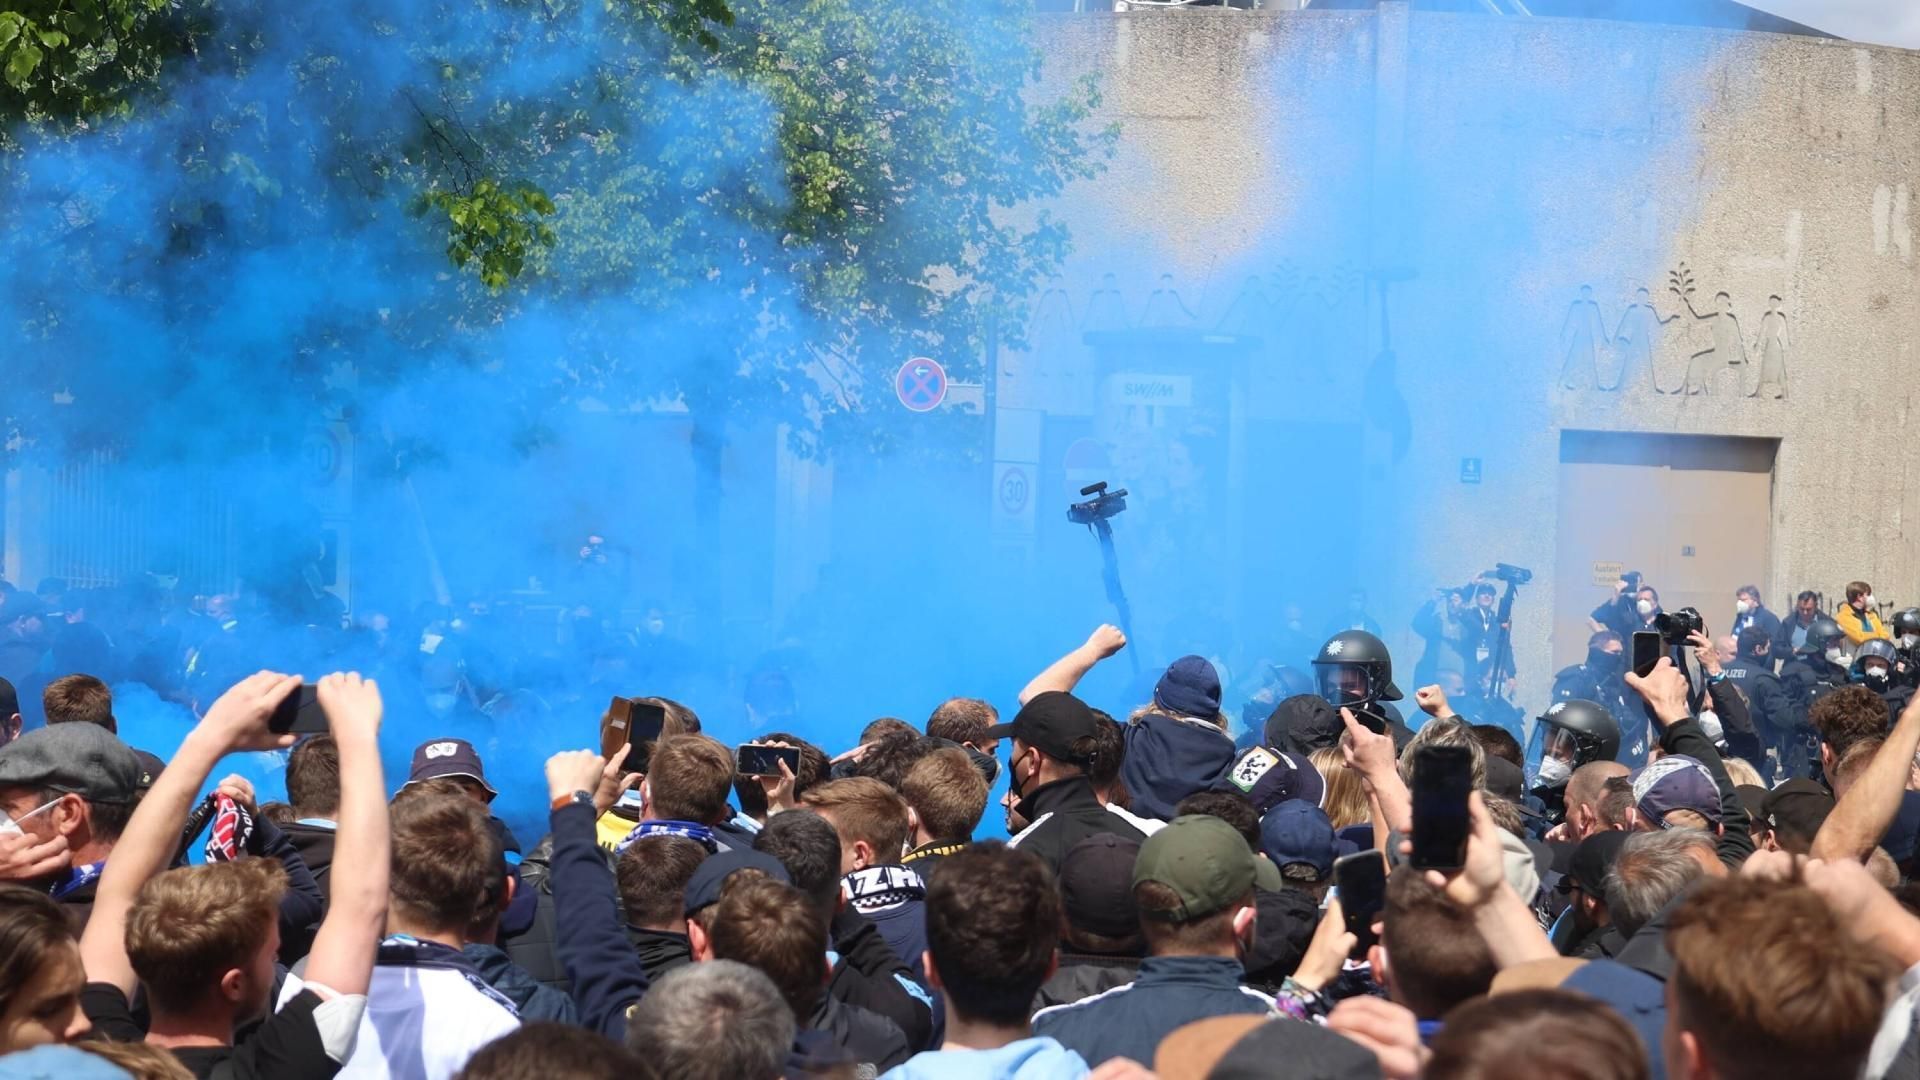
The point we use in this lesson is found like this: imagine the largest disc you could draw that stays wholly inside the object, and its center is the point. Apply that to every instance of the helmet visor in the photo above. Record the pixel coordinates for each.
(1343, 684)
(1562, 744)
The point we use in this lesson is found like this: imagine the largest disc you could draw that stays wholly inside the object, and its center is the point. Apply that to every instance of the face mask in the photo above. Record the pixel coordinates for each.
(1710, 725)
(1553, 773)
(1908, 641)
(1835, 656)
(1741, 607)
(1603, 661)
(1644, 607)
(1868, 601)
(10, 826)
(1875, 678)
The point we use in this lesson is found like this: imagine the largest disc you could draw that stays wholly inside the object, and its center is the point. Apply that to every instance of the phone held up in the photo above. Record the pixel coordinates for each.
(753, 759)
(1362, 880)
(634, 723)
(1442, 779)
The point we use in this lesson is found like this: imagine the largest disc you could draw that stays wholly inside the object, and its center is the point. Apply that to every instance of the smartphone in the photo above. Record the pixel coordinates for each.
(1441, 782)
(299, 713)
(1362, 880)
(752, 759)
(632, 723)
(1648, 647)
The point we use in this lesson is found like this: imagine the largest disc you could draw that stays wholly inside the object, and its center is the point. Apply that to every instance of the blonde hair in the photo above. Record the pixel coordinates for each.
(1346, 801)
(142, 1061)
(1740, 772)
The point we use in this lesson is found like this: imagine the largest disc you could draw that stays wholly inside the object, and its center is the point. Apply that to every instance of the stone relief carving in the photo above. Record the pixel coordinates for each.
(1707, 345)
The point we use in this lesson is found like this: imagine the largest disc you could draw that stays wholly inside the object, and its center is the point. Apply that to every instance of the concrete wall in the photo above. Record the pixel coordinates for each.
(1765, 165)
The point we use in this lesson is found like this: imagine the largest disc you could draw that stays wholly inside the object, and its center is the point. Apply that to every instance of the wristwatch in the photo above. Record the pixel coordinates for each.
(582, 796)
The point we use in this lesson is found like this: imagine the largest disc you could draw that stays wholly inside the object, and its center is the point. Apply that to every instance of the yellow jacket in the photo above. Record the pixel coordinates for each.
(1858, 628)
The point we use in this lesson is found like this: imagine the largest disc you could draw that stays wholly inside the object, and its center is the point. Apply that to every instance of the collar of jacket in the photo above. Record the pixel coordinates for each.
(1220, 971)
(1063, 795)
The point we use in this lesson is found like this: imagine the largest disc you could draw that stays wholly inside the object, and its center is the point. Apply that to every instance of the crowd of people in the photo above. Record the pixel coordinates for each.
(1701, 869)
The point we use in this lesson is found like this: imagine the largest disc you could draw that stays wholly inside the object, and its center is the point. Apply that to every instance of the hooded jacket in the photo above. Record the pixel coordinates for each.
(1082, 975)
(1859, 627)
(1169, 758)
(1028, 1059)
(1171, 991)
(1064, 813)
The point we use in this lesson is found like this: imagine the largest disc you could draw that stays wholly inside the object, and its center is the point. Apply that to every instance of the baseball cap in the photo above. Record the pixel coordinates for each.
(1270, 777)
(1204, 860)
(1250, 1047)
(711, 875)
(84, 759)
(1096, 885)
(1297, 831)
(1798, 807)
(1592, 858)
(150, 766)
(1676, 782)
(1506, 780)
(1053, 721)
(1191, 687)
(448, 757)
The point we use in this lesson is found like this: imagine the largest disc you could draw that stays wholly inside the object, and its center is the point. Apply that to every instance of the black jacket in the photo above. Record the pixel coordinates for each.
(870, 976)
(1608, 689)
(866, 1037)
(660, 951)
(1082, 975)
(1767, 699)
(315, 845)
(1064, 813)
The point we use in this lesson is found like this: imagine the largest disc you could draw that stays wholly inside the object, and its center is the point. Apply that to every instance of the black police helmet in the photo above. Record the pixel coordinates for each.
(1593, 728)
(1820, 633)
(1351, 651)
(1906, 621)
(1876, 648)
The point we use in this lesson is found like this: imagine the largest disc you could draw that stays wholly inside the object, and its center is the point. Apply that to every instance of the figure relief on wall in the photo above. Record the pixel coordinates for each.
(1708, 347)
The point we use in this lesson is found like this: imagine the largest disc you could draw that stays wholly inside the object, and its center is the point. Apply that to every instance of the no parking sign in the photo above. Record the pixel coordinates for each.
(921, 384)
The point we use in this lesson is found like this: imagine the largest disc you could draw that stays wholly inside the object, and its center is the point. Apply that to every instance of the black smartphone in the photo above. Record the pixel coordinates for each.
(1648, 647)
(299, 713)
(1441, 782)
(1362, 880)
(753, 759)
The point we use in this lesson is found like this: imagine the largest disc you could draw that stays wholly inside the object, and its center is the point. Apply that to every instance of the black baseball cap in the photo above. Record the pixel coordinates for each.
(1798, 808)
(1592, 859)
(1096, 885)
(436, 758)
(1053, 721)
(711, 875)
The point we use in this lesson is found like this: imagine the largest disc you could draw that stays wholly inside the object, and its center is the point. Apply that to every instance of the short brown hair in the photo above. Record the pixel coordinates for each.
(770, 925)
(1554, 1033)
(544, 1050)
(962, 720)
(890, 757)
(1855, 760)
(1435, 955)
(886, 725)
(1846, 716)
(862, 808)
(1168, 937)
(79, 699)
(689, 778)
(653, 873)
(313, 777)
(189, 926)
(1616, 799)
(445, 859)
(1771, 983)
(1858, 589)
(947, 792)
(815, 767)
(993, 917)
(1230, 807)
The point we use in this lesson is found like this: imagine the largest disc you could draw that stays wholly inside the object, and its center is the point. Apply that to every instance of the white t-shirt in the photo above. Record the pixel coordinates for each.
(422, 1022)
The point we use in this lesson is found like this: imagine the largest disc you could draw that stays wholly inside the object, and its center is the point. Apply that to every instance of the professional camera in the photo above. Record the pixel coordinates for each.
(1633, 579)
(1677, 626)
(1512, 575)
(1102, 506)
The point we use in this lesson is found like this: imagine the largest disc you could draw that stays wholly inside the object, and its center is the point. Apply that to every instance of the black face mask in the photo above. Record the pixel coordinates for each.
(1875, 681)
(1602, 661)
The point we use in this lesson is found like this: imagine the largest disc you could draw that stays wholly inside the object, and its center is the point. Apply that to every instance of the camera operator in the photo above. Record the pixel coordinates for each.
(1634, 606)
(1482, 641)
(1440, 622)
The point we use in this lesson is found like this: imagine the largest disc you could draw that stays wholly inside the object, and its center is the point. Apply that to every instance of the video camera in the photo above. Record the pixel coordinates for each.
(1512, 575)
(1103, 505)
(1677, 626)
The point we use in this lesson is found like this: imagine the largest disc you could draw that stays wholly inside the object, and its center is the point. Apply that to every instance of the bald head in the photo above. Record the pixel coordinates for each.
(1584, 791)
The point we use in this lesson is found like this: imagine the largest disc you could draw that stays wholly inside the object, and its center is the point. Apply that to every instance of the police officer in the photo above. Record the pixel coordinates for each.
(1873, 669)
(1906, 640)
(1568, 735)
(1354, 671)
(1814, 672)
(1767, 700)
(1602, 679)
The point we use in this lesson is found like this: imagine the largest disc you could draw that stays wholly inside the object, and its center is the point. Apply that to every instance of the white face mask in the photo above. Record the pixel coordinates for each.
(1710, 724)
(10, 826)
(1644, 607)
(1553, 773)
(1908, 641)
(1871, 602)
(1741, 607)
(1835, 656)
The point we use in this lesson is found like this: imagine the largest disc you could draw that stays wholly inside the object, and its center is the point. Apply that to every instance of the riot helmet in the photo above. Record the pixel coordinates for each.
(1571, 734)
(1876, 677)
(1906, 627)
(1822, 634)
(1353, 670)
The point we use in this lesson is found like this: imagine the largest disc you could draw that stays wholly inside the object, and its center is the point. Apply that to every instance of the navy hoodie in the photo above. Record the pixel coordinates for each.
(1169, 758)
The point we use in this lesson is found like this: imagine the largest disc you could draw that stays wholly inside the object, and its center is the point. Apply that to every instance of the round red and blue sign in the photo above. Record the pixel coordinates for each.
(921, 384)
